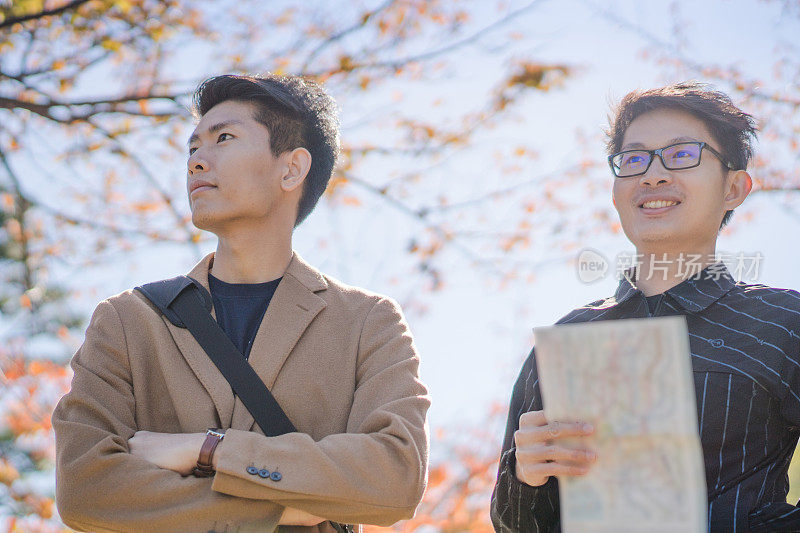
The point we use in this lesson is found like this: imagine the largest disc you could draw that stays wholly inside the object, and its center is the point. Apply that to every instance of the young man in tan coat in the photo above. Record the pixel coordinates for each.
(339, 360)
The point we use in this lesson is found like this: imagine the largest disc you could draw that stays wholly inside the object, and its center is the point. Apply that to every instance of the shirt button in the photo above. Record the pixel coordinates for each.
(252, 470)
(263, 473)
(276, 476)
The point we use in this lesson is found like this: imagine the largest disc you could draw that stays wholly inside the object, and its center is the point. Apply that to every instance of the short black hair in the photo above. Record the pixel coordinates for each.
(731, 127)
(298, 114)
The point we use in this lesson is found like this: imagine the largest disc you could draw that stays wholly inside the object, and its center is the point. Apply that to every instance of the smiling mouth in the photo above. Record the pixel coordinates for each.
(658, 204)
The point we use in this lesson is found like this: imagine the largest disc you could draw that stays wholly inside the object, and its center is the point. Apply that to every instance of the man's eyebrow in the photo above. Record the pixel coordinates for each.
(674, 140)
(215, 128)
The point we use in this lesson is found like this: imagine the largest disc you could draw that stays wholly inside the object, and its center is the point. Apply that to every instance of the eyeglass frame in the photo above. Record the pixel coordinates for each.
(659, 151)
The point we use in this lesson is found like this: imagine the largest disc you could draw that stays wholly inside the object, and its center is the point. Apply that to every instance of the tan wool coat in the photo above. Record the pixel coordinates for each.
(339, 360)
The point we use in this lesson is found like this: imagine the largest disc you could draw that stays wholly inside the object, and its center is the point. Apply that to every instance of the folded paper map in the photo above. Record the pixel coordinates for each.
(631, 379)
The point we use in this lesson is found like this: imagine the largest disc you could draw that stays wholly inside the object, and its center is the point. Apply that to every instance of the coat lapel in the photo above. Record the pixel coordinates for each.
(207, 373)
(294, 305)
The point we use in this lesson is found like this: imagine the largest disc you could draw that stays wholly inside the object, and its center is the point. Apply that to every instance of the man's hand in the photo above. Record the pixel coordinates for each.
(173, 451)
(179, 452)
(296, 517)
(541, 452)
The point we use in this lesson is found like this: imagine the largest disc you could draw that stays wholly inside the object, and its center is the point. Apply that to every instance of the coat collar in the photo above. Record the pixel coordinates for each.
(694, 294)
(307, 275)
(292, 309)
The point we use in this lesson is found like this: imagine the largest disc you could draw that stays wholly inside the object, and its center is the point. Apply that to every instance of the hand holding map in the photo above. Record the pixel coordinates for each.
(632, 380)
(540, 449)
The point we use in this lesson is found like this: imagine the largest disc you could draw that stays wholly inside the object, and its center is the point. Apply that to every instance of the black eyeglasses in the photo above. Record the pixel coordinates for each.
(679, 156)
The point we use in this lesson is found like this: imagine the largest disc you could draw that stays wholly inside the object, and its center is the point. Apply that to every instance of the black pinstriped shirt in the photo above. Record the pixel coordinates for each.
(745, 345)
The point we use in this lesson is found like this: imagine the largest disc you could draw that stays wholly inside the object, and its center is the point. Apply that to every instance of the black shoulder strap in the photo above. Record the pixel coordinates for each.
(187, 304)
(163, 293)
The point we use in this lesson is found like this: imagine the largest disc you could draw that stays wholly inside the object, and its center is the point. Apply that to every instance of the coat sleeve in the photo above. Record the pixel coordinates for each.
(518, 507)
(376, 472)
(100, 486)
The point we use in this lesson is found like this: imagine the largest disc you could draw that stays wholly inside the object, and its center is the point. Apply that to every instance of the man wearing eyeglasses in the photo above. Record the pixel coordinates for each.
(679, 156)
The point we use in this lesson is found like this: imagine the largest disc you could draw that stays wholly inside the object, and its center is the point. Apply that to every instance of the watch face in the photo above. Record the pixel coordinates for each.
(216, 432)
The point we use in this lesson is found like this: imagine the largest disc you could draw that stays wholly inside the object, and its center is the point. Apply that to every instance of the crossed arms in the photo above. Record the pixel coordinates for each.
(374, 473)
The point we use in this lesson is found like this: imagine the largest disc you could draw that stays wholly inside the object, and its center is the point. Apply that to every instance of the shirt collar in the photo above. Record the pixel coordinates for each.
(694, 294)
(307, 275)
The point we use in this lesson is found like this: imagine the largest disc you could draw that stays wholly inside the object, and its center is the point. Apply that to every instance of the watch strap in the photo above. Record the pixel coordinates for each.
(205, 466)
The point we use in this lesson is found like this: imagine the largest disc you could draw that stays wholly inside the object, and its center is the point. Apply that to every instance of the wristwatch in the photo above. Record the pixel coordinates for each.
(205, 467)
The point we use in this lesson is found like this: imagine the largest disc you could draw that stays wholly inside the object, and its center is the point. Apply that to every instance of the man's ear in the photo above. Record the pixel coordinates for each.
(298, 163)
(737, 186)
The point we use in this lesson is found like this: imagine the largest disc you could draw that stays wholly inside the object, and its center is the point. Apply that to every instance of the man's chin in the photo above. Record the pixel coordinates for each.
(656, 239)
(204, 222)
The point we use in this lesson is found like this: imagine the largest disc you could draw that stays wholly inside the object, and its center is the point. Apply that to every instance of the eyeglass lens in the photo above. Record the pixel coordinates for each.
(675, 157)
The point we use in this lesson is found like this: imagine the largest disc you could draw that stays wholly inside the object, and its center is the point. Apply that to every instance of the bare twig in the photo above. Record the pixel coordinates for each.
(676, 52)
(20, 214)
(400, 62)
(165, 197)
(423, 216)
(343, 33)
(42, 14)
(98, 106)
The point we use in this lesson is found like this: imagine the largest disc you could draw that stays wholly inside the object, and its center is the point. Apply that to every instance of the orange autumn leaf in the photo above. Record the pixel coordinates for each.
(14, 370)
(8, 473)
(145, 207)
(351, 201)
(43, 367)
(20, 422)
(7, 201)
(437, 475)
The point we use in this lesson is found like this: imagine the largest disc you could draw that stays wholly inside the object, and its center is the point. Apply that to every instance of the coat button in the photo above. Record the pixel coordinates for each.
(252, 470)
(276, 476)
(263, 472)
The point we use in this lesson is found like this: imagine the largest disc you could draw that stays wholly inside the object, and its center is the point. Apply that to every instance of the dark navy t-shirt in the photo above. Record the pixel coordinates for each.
(240, 307)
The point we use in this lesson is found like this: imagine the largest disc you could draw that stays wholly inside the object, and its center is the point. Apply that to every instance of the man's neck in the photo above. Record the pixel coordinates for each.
(659, 271)
(246, 255)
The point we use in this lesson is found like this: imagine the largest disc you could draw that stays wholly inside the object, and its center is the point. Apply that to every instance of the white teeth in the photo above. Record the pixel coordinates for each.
(655, 204)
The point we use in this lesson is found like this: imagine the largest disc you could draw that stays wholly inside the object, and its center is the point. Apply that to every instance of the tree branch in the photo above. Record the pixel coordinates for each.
(39, 109)
(123, 151)
(111, 105)
(501, 192)
(423, 216)
(397, 63)
(20, 215)
(343, 33)
(84, 222)
(792, 188)
(46, 13)
(675, 52)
